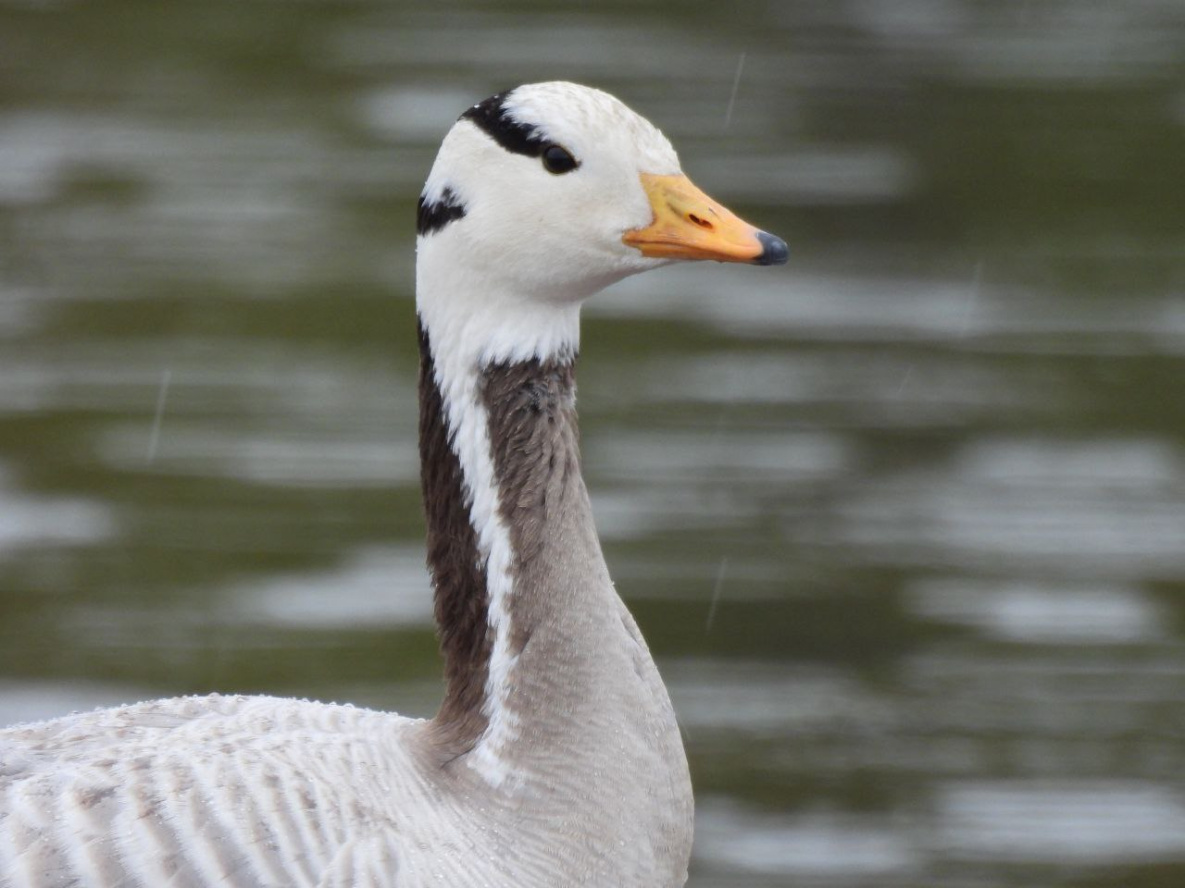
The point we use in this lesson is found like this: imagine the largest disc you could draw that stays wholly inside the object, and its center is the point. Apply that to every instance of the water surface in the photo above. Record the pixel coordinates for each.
(904, 522)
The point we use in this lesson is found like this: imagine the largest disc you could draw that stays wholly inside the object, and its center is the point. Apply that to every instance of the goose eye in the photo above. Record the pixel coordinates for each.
(558, 160)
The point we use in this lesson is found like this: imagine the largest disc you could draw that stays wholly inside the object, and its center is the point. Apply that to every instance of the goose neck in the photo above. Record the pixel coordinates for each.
(505, 504)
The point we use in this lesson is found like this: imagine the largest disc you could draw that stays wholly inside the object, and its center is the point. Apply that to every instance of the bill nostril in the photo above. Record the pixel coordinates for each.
(700, 221)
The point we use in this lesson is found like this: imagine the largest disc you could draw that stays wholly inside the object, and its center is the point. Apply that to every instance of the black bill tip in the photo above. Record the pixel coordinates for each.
(774, 252)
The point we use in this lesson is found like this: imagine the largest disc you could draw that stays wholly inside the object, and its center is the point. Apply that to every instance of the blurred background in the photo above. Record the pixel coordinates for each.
(904, 521)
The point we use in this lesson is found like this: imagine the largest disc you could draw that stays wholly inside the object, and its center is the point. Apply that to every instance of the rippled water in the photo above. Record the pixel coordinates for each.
(904, 521)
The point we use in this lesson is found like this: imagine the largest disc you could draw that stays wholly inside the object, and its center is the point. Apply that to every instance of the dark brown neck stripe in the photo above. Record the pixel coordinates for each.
(531, 406)
(531, 415)
(458, 572)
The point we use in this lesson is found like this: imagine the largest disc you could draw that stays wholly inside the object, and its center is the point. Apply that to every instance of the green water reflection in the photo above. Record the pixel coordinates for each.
(903, 521)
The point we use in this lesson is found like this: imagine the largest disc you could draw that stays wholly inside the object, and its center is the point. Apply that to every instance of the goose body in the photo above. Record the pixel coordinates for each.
(555, 758)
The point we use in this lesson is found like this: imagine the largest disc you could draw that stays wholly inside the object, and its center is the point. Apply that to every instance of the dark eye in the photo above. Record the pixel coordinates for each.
(558, 160)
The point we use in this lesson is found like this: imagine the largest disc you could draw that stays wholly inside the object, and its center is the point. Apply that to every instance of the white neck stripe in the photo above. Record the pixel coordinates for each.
(468, 436)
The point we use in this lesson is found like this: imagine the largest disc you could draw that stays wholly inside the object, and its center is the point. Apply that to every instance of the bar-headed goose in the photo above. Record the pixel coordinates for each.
(555, 758)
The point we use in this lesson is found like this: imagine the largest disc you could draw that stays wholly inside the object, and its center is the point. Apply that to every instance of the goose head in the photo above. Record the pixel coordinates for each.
(545, 194)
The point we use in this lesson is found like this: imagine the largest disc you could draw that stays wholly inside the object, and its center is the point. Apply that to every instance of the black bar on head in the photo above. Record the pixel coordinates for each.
(494, 119)
(434, 216)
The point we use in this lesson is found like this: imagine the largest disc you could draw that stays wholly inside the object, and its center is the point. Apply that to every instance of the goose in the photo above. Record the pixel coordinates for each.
(555, 758)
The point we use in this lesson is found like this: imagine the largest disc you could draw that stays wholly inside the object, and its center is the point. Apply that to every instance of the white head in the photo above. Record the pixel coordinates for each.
(540, 197)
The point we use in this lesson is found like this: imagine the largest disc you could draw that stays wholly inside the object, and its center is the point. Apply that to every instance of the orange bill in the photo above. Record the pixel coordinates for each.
(690, 225)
